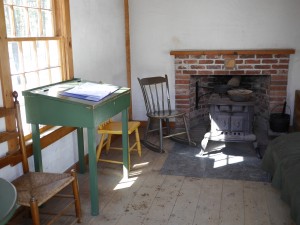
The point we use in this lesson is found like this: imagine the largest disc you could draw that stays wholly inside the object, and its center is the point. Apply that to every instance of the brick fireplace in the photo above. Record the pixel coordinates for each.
(263, 71)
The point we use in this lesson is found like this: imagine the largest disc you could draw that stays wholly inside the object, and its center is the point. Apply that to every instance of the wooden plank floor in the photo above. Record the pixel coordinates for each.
(150, 198)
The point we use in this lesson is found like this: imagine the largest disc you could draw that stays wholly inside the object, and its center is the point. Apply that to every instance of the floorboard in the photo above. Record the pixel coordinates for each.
(149, 198)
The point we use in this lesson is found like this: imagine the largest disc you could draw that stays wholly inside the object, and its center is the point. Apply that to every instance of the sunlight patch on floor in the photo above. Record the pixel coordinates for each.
(125, 183)
(220, 159)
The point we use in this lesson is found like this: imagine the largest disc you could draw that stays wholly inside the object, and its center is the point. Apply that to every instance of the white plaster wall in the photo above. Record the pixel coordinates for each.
(98, 40)
(159, 26)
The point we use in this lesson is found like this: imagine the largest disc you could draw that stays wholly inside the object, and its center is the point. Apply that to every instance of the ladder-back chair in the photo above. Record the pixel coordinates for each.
(157, 101)
(36, 188)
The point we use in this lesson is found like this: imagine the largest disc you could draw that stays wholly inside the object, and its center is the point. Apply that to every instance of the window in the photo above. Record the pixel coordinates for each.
(36, 43)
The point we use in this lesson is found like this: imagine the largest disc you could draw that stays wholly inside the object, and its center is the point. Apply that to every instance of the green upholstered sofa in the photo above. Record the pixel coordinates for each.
(282, 161)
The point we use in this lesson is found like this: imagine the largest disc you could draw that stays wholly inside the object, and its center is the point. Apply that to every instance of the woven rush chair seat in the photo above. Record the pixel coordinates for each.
(109, 128)
(41, 186)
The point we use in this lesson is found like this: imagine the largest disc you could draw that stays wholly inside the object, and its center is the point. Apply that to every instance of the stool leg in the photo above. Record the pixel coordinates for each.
(100, 146)
(138, 143)
(108, 143)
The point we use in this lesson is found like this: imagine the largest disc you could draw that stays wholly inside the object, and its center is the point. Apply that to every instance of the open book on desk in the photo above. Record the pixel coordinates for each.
(90, 91)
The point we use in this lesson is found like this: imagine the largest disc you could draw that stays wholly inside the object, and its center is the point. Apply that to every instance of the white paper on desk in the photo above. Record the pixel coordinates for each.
(98, 91)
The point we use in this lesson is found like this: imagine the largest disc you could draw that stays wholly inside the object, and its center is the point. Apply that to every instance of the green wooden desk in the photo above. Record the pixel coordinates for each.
(44, 105)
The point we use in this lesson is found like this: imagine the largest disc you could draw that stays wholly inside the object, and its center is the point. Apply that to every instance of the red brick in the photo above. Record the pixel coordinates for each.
(269, 72)
(274, 66)
(230, 57)
(203, 72)
(252, 61)
(269, 61)
(189, 71)
(237, 72)
(200, 67)
(279, 82)
(182, 102)
(182, 57)
(275, 93)
(178, 72)
(177, 61)
(197, 57)
(279, 78)
(221, 72)
(253, 72)
(179, 91)
(266, 56)
(219, 61)
(214, 67)
(181, 67)
(182, 81)
(213, 56)
(278, 87)
(206, 61)
(262, 67)
(182, 96)
(185, 77)
(277, 99)
(282, 72)
(246, 56)
(286, 61)
(191, 61)
(239, 61)
(282, 56)
(243, 67)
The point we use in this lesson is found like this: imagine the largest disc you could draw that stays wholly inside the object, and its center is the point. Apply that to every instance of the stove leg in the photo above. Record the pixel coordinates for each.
(257, 150)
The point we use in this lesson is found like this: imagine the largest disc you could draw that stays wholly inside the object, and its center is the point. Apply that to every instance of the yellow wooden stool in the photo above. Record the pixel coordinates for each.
(109, 128)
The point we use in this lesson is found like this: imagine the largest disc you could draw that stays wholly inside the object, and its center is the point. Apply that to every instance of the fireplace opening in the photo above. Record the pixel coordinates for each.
(202, 87)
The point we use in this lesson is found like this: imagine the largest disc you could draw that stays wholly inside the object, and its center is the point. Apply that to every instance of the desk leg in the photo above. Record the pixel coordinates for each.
(80, 144)
(93, 172)
(125, 143)
(37, 152)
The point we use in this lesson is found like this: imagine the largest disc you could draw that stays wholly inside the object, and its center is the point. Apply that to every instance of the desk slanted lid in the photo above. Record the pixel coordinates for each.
(54, 91)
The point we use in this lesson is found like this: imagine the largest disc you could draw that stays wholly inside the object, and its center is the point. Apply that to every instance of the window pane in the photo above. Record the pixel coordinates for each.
(44, 77)
(46, 4)
(56, 75)
(34, 22)
(32, 80)
(15, 58)
(8, 2)
(42, 54)
(18, 83)
(47, 23)
(19, 2)
(8, 21)
(20, 22)
(32, 3)
(29, 55)
(54, 53)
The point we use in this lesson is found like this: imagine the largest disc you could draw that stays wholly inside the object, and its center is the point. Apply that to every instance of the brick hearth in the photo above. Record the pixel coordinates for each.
(273, 64)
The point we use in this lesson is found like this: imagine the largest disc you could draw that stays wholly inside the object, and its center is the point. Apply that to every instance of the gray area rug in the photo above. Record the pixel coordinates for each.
(236, 161)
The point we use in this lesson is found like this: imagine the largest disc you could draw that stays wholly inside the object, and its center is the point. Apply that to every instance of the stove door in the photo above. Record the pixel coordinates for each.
(237, 122)
(222, 122)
